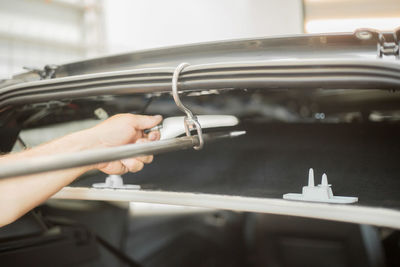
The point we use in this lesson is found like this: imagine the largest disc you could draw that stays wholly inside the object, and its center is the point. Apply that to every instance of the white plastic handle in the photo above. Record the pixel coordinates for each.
(173, 126)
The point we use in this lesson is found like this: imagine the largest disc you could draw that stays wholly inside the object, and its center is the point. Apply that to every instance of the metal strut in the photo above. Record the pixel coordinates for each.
(88, 157)
(190, 121)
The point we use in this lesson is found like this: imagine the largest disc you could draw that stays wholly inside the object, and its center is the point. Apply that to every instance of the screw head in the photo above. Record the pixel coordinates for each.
(363, 35)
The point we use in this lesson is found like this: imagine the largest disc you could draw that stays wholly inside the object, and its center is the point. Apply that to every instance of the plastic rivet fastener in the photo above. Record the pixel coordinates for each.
(320, 193)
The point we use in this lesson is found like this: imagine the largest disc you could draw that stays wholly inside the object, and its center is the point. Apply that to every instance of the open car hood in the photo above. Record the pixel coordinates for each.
(326, 73)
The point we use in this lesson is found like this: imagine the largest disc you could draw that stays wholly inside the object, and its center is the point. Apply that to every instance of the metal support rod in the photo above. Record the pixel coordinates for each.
(190, 121)
(88, 157)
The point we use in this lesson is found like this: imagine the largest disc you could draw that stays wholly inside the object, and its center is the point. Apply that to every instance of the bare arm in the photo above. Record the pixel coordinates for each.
(21, 194)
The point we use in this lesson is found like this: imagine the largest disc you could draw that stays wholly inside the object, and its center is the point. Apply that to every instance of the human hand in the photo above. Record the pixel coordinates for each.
(125, 129)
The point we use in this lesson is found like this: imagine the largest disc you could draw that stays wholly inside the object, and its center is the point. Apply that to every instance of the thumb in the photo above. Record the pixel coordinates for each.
(143, 122)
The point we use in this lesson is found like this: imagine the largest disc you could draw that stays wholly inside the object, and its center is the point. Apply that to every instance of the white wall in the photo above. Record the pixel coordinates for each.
(34, 33)
(140, 24)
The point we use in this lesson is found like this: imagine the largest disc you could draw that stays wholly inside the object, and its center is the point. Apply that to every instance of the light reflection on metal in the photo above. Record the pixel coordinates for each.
(190, 121)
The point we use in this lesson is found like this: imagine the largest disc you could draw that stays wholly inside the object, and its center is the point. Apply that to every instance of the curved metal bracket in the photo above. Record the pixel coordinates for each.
(190, 120)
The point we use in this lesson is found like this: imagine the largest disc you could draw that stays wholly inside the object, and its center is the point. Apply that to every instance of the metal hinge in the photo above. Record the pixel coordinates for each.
(388, 48)
(388, 44)
(48, 72)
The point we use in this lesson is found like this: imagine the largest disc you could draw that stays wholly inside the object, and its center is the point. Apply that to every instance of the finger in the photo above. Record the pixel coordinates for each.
(133, 165)
(115, 167)
(154, 135)
(141, 141)
(143, 122)
(145, 159)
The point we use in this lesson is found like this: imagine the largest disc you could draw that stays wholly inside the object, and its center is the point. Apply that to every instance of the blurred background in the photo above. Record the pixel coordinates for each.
(34, 33)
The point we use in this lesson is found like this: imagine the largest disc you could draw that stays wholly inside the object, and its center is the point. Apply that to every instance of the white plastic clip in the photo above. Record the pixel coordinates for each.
(320, 193)
(190, 121)
(115, 182)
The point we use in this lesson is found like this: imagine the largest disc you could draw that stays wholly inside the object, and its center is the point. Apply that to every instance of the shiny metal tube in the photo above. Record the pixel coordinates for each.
(88, 157)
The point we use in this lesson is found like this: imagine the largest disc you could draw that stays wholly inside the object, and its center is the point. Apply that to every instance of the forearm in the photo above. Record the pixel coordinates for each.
(20, 194)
